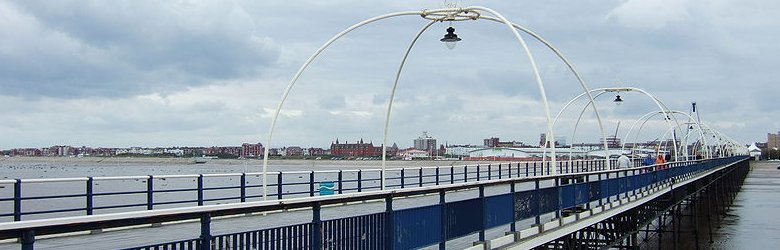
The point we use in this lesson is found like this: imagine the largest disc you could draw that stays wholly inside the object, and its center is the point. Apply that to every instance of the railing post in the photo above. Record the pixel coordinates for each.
(534, 168)
(279, 186)
(200, 190)
(478, 172)
(538, 219)
(465, 173)
(205, 232)
(389, 225)
(549, 167)
(443, 235)
(340, 181)
(18, 200)
(420, 178)
(509, 170)
(316, 222)
(437, 176)
(403, 177)
(28, 240)
(526, 169)
(243, 187)
(452, 175)
(513, 225)
(150, 193)
(482, 202)
(490, 171)
(311, 183)
(360, 180)
(89, 194)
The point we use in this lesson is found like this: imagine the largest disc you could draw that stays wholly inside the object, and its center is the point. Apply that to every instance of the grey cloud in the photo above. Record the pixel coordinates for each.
(122, 48)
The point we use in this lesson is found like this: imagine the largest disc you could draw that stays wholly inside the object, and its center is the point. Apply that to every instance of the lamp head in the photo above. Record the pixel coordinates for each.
(618, 100)
(450, 39)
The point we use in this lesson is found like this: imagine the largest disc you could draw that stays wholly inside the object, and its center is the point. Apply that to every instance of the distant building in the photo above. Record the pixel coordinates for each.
(491, 142)
(249, 150)
(26, 152)
(355, 149)
(612, 142)
(543, 140)
(461, 150)
(293, 151)
(773, 140)
(426, 143)
(496, 142)
(230, 150)
(413, 153)
(316, 151)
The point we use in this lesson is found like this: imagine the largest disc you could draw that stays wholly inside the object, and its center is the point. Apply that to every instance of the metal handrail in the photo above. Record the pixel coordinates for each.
(27, 229)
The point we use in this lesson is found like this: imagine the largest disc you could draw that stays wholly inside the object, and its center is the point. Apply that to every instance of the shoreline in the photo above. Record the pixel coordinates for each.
(120, 161)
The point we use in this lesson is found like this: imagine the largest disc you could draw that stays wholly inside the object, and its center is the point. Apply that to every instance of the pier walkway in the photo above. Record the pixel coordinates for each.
(595, 209)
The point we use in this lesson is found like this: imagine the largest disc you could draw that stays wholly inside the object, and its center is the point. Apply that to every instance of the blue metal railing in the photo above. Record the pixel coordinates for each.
(394, 228)
(92, 200)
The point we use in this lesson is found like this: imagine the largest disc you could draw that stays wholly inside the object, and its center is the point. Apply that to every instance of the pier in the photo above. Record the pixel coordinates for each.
(595, 209)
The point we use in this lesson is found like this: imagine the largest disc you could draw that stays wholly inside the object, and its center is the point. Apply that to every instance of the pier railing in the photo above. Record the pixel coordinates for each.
(56, 197)
(519, 198)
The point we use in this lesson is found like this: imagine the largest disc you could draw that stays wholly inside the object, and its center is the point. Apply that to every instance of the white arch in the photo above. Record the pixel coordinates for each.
(649, 115)
(661, 106)
(450, 14)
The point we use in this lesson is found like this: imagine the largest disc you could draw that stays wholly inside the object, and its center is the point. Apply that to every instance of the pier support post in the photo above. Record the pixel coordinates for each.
(205, 232)
(316, 226)
(28, 240)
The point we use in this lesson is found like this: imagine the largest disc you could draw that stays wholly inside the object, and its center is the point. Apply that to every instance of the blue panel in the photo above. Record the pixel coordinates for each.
(594, 191)
(622, 184)
(630, 182)
(604, 189)
(499, 210)
(417, 227)
(614, 186)
(567, 196)
(463, 217)
(548, 200)
(364, 232)
(581, 193)
(526, 204)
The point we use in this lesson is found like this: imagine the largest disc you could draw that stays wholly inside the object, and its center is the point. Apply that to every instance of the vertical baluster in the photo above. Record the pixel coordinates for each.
(150, 193)
(340, 182)
(200, 189)
(243, 187)
(311, 183)
(18, 200)
(360, 180)
(89, 196)
(279, 186)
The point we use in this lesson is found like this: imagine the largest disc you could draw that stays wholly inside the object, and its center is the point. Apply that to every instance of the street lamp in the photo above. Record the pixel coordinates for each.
(450, 39)
(618, 100)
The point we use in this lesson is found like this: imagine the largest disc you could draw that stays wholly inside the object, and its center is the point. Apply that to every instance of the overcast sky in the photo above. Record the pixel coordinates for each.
(202, 73)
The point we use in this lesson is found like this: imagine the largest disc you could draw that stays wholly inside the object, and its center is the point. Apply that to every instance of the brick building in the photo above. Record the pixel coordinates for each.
(355, 149)
(249, 150)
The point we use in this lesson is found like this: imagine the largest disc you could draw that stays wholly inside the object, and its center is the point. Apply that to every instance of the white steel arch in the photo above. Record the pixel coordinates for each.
(661, 106)
(448, 14)
(649, 115)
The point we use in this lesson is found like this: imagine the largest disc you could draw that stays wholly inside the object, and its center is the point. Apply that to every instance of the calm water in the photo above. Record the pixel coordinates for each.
(754, 219)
